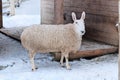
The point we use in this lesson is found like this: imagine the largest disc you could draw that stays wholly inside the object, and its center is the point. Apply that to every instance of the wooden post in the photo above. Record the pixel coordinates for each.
(12, 7)
(59, 11)
(119, 53)
(119, 42)
(1, 20)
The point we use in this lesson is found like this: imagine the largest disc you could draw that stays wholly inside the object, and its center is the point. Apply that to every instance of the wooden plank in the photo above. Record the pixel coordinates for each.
(52, 11)
(101, 7)
(47, 12)
(102, 28)
(119, 51)
(105, 37)
(1, 20)
(59, 11)
(93, 11)
(90, 49)
(119, 43)
(14, 32)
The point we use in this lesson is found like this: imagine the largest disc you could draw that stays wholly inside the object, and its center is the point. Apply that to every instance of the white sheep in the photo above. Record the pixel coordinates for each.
(64, 38)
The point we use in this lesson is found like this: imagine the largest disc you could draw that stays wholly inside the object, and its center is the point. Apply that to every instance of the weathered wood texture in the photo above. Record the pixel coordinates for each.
(59, 11)
(52, 11)
(90, 49)
(119, 44)
(14, 32)
(101, 17)
(119, 52)
(1, 20)
(47, 11)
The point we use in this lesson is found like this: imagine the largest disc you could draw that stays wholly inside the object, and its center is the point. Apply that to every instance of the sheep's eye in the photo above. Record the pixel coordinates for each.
(76, 22)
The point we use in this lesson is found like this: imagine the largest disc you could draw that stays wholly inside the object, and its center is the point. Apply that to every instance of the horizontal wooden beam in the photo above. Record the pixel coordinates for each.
(90, 48)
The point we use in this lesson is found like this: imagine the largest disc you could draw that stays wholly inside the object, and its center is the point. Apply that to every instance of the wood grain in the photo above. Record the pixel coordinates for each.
(101, 18)
(52, 11)
(58, 11)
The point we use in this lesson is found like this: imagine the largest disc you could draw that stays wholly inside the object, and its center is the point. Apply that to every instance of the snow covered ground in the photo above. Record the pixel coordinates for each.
(15, 65)
(14, 60)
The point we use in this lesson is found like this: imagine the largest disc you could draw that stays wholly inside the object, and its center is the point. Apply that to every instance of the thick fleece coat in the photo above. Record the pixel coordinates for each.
(51, 38)
(54, 38)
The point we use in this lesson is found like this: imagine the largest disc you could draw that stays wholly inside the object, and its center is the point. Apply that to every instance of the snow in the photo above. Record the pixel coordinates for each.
(17, 65)
(14, 60)
(27, 14)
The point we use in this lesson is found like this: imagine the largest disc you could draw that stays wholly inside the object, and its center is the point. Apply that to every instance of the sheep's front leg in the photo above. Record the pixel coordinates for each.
(32, 55)
(67, 61)
(61, 60)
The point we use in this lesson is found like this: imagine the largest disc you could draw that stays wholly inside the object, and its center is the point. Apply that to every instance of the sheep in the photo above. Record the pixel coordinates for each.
(64, 38)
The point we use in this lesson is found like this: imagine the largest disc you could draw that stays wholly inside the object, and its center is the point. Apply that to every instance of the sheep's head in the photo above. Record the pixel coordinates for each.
(79, 23)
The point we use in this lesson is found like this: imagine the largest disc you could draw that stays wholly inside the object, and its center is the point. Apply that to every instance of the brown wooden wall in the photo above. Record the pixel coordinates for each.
(52, 11)
(101, 17)
(47, 11)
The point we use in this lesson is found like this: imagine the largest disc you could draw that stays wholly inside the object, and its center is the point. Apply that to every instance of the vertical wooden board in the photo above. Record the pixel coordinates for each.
(119, 43)
(52, 11)
(1, 20)
(47, 11)
(59, 11)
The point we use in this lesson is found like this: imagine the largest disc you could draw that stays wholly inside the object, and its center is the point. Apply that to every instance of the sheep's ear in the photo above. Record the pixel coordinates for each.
(83, 15)
(73, 16)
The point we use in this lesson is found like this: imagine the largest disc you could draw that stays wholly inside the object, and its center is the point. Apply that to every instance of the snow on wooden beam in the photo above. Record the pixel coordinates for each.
(14, 32)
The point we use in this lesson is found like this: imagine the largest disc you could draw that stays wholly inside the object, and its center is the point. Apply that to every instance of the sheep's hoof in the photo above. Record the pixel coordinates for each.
(62, 65)
(68, 68)
(34, 69)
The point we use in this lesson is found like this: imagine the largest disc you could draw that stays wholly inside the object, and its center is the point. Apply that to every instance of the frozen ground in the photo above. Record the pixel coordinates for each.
(15, 65)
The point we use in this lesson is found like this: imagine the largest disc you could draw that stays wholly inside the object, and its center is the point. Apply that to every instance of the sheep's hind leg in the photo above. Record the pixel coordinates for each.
(32, 55)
